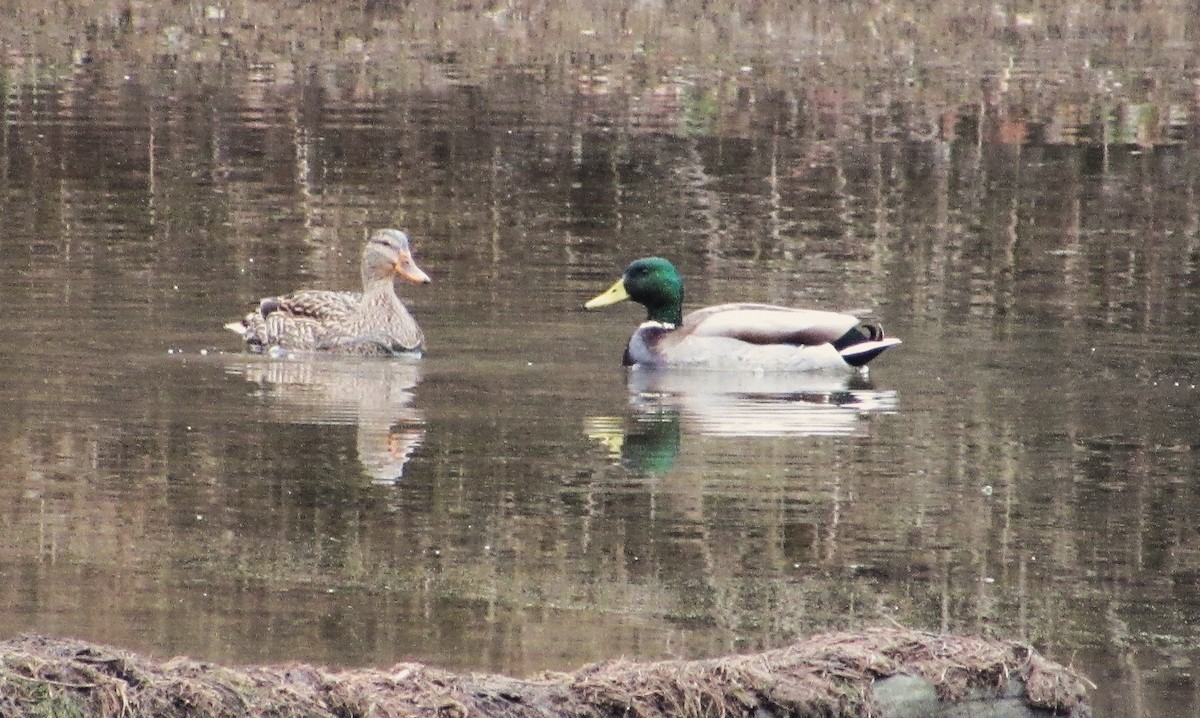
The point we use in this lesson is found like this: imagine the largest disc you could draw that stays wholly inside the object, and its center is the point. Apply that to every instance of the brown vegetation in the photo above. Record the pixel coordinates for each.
(827, 675)
(1067, 73)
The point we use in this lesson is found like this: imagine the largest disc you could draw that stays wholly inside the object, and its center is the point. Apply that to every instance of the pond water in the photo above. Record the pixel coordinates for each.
(1023, 466)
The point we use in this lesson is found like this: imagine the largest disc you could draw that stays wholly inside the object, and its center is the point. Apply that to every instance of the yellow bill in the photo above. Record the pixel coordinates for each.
(612, 295)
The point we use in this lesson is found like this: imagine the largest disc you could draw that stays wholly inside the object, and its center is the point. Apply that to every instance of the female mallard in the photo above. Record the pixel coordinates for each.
(373, 323)
(735, 336)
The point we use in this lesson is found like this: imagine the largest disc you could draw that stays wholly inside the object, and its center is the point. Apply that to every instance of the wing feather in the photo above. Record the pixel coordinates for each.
(766, 324)
(315, 304)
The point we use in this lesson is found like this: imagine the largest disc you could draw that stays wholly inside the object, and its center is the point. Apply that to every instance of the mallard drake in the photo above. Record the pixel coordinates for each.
(735, 336)
(374, 322)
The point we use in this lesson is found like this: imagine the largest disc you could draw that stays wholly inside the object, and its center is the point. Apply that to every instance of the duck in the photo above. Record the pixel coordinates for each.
(759, 337)
(371, 323)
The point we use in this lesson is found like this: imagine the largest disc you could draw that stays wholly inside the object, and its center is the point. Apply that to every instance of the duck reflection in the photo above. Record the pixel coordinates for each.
(375, 395)
(646, 443)
(732, 405)
(763, 404)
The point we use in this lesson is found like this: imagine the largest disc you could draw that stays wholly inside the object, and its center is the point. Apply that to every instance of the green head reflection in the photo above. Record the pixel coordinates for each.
(645, 443)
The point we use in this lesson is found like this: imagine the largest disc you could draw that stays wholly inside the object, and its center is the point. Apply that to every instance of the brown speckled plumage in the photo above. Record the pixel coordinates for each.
(374, 322)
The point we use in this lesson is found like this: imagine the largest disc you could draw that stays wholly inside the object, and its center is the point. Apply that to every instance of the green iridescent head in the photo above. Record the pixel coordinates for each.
(652, 282)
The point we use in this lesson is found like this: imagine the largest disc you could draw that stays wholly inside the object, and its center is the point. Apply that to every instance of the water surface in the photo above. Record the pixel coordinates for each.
(1023, 466)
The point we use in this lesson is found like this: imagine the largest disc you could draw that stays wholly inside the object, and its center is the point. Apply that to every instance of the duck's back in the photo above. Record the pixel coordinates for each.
(765, 324)
(296, 320)
(319, 305)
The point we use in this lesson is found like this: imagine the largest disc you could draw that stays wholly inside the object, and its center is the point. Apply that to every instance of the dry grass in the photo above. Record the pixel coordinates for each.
(826, 675)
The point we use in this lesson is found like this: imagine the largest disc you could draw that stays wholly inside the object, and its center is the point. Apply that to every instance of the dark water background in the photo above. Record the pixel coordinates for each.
(1013, 194)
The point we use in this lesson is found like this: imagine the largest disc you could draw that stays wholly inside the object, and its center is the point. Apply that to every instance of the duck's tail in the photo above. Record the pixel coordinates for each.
(859, 354)
(863, 343)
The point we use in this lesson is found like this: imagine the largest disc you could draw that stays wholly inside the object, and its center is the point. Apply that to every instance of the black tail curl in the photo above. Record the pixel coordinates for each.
(863, 332)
